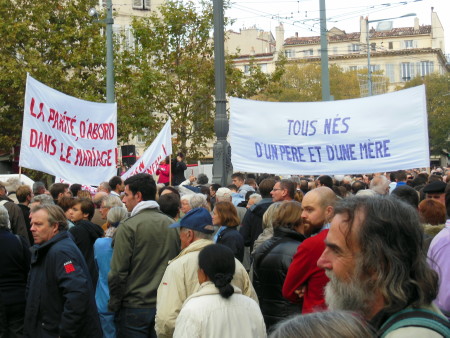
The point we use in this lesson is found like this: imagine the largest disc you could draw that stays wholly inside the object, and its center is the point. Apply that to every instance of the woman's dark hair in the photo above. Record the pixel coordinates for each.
(217, 261)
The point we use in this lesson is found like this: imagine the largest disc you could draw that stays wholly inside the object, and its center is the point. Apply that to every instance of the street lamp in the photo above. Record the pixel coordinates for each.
(221, 150)
(109, 21)
(369, 73)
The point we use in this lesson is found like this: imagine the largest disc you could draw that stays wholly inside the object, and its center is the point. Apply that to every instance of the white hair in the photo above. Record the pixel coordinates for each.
(256, 197)
(4, 218)
(379, 184)
(197, 201)
(366, 192)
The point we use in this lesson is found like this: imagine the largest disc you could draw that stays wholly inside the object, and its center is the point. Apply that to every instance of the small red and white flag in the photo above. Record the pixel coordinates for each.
(68, 266)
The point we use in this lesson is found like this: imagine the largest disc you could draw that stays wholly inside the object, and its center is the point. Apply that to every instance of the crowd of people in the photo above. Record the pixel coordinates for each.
(298, 256)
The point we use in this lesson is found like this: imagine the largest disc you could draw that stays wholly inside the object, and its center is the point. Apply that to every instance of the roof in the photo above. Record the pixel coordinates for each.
(394, 32)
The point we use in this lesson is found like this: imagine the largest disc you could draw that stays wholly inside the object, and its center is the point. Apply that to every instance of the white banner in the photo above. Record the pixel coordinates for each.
(158, 150)
(91, 189)
(68, 137)
(373, 134)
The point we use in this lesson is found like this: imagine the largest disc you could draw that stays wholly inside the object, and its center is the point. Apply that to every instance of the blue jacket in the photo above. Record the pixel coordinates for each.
(60, 296)
(103, 252)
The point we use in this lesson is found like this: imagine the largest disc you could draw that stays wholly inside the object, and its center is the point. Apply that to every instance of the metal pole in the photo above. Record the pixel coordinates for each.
(324, 53)
(221, 149)
(109, 53)
(369, 72)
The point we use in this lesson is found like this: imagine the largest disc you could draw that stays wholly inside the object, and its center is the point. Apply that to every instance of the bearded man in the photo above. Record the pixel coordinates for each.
(377, 267)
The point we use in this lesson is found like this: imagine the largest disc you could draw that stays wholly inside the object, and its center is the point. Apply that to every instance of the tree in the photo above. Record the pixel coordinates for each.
(256, 82)
(170, 74)
(302, 83)
(438, 108)
(57, 43)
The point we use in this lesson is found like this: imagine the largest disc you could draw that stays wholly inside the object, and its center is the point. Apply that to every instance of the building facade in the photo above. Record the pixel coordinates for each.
(400, 54)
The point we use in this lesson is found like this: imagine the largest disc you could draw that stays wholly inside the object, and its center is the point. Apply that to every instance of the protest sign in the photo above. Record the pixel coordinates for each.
(92, 190)
(373, 134)
(158, 150)
(68, 137)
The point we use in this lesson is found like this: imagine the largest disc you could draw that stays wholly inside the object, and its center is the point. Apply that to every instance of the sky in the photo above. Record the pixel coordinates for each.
(302, 16)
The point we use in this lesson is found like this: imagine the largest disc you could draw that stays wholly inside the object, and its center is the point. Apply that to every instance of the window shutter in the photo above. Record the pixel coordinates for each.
(412, 70)
(137, 4)
(147, 4)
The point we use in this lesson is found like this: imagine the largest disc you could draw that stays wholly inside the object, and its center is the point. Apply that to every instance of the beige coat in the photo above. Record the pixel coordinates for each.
(180, 281)
(207, 314)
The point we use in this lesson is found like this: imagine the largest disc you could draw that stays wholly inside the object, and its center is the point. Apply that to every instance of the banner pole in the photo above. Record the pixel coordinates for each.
(170, 171)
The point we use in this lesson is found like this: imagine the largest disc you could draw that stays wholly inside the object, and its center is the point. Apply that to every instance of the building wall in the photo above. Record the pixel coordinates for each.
(249, 41)
(401, 53)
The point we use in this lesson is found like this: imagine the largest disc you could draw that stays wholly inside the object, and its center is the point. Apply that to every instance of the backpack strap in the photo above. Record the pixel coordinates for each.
(416, 318)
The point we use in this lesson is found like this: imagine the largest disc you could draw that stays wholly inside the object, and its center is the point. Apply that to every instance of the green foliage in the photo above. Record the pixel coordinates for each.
(256, 82)
(57, 43)
(438, 108)
(170, 74)
(301, 82)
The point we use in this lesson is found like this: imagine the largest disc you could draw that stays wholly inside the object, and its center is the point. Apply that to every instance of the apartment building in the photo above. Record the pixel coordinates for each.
(400, 53)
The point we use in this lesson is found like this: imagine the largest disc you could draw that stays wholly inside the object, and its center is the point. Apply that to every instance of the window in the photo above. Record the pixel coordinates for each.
(374, 68)
(141, 4)
(335, 50)
(406, 71)
(308, 52)
(129, 37)
(373, 47)
(410, 44)
(289, 53)
(390, 73)
(263, 67)
(353, 68)
(247, 69)
(425, 68)
(391, 45)
(355, 47)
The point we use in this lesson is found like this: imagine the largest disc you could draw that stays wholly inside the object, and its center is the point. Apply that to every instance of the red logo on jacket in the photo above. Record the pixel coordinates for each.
(68, 266)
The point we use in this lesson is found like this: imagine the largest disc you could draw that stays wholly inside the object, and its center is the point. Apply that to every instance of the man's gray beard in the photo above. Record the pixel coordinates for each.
(355, 295)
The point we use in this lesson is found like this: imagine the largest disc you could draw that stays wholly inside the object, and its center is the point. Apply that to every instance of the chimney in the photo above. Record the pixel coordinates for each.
(363, 29)
(279, 39)
(416, 24)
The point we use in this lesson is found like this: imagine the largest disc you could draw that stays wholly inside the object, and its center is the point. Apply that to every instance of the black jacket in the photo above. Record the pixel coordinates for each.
(270, 265)
(14, 266)
(60, 296)
(178, 169)
(85, 234)
(252, 223)
(26, 215)
(231, 238)
(18, 226)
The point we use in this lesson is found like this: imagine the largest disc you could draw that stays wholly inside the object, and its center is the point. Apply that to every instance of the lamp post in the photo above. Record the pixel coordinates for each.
(221, 149)
(325, 75)
(369, 73)
(109, 21)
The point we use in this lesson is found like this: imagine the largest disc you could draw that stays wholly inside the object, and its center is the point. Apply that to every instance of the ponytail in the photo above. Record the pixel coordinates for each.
(218, 263)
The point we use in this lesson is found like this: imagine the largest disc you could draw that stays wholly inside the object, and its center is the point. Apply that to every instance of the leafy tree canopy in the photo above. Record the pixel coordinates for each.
(57, 43)
(438, 108)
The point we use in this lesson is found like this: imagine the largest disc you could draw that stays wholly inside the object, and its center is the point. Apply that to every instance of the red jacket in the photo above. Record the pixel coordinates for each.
(304, 271)
(163, 171)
